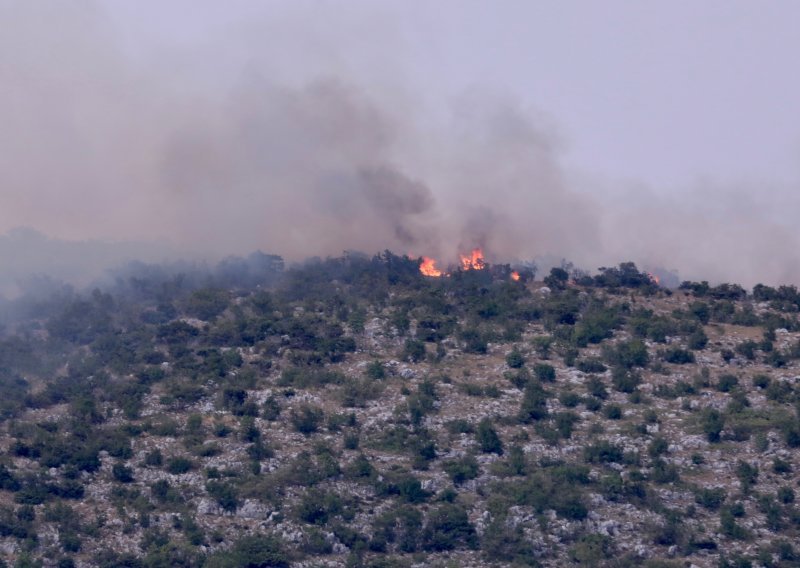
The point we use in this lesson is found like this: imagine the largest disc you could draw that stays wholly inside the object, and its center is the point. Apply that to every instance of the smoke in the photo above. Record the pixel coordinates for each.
(228, 147)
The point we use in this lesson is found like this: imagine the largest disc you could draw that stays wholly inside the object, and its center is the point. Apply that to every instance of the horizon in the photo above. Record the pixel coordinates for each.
(666, 134)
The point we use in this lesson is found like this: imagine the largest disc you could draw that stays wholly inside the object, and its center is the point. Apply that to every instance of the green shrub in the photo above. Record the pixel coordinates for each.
(747, 475)
(225, 494)
(569, 399)
(590, 365)
(698, 340)
(625, 380)
(727, 382)
(488, 439)
(712, 423)
(122, 473)
(376, 371)
(658, 447)
(785, 495)
(627, 354)
(307, 419)
(462, 469)
(534, 404)
(447, 528)
(255, 550)
(592, 550)
(678, 356)
(544, 372)
(317, 507)
(596, 388)
(710, 498)
(178, 465)
(602, 451)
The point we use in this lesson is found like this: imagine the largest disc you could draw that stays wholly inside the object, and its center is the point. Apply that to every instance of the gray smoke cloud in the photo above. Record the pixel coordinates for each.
(304, 158)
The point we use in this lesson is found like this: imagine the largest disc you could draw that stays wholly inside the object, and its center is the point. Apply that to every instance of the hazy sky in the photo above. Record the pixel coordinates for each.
(665, 132)
(663, 92)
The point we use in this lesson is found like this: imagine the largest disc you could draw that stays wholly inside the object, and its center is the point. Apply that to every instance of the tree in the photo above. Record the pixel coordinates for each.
(557, 279)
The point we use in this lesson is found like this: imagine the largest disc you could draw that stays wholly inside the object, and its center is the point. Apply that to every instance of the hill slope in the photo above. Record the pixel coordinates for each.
(357, 413)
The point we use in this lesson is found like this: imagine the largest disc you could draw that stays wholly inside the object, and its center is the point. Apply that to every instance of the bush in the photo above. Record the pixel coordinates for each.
(727, 382)
(256, 551)
(658, 447)
(410, 489)
(569, 399)
(747, 349)
(413, 350)
(592, 550)
(678, 356)
(565, 422)
(747, 475)
(307, 419)
(625, 380)
(488, 439)
(544, 372)
(208, 303)
(698, 340)
(628, 354)
(596, 388)
(603, 452)
(761, 381)
(122, 473)
(317, 507)
(785, 495)
(154, 458)
(711, 498)
(224, 493)
(728, 526)
(357, 392)
(712, 423)
(178, 465)
(474, 341)
(447, 528)
(590, 365)
(376, 371)
(781, 466)
(461, 470)
(663, 472)
(534, 404)
(515, 359)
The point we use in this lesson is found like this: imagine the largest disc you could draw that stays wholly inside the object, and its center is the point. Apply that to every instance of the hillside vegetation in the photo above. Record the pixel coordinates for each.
(352, 412)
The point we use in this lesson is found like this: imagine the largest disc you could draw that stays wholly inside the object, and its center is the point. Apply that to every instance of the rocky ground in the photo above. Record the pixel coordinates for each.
(452, 457)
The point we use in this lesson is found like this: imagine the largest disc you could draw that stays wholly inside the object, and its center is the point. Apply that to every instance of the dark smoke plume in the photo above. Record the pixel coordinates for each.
(282, 149)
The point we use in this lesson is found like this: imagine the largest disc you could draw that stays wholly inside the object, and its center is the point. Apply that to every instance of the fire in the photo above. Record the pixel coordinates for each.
(428, 267)
(515, 276)
(653, 278)
(474, 261)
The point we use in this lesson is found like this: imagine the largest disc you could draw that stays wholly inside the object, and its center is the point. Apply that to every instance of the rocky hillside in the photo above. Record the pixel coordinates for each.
(352, 412)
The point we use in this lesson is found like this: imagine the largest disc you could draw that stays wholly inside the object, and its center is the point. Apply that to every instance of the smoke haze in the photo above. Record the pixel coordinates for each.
(266, 136)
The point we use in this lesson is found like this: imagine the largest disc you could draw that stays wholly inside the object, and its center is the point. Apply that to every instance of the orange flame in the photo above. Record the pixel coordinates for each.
(515, 276)
(428, 267)
(655, 279)
(474, 261)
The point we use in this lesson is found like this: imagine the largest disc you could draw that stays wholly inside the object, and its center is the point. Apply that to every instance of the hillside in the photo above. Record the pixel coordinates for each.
(354, 412)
